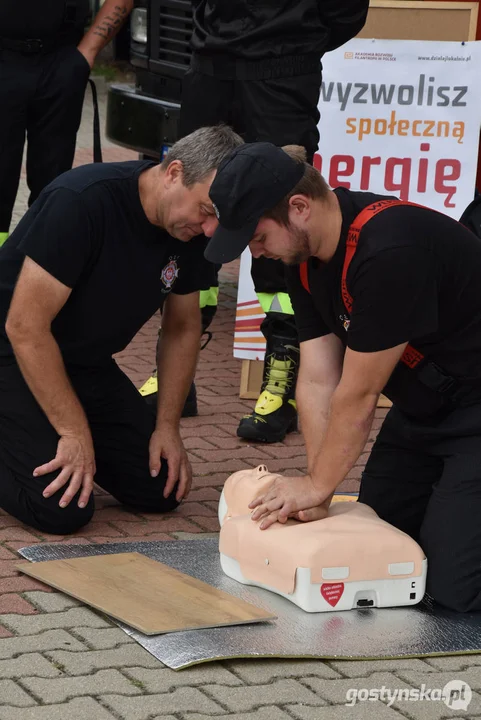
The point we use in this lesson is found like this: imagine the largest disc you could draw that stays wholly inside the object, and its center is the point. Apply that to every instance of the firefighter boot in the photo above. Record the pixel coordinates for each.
(150, 387)
(275, 413)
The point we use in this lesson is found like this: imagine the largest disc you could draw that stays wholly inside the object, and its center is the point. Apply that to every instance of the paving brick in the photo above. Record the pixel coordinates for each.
(21, 583)
(192, 509)
(163, 680)
(12, 694)
(99, 528)
(437, 709)
(363, 668)
(336, 691)
(4, 633)
(247, 453)
(192, 443)
(19, 533)
(141, 529)
(454, 662)
(82, 663)
(51, 601)
(470, 675)
(115, 512)
(8, 569)
(264, 671)
(48, 640)
(182, 700)
(5, 553)
(75, 617)
(76, 709)
(65, 688)
(269, 712)
(27, 665)
(14, 603)
(250, 697)
(211, 480)
(361, 711)
(103, 639)
(211, 524)
(62, 540)
(225, 468)
(201, 494)
(195, 536)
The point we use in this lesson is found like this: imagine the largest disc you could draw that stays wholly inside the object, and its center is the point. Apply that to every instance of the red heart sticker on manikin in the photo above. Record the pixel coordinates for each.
(332, 592)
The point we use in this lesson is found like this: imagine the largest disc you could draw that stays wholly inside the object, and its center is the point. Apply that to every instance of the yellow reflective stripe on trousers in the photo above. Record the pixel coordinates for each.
(3, 237)
(209, 297)
(275, 302)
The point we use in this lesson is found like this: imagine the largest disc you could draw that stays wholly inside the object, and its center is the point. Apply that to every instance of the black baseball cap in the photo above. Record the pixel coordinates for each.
(254, 178)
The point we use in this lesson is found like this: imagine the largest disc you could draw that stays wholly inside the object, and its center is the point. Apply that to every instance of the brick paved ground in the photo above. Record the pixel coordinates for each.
(59, 660)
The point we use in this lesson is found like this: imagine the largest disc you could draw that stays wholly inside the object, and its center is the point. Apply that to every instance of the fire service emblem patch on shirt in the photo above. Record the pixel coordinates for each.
(169, 274)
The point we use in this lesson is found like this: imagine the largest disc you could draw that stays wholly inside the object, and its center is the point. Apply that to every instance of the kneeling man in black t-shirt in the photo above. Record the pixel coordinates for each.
(387, 299)
(101, 250)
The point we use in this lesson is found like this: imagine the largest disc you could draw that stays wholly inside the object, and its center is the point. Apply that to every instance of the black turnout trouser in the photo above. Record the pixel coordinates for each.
(41, 97)
(281, 109)
(121, 424)
(424, 477)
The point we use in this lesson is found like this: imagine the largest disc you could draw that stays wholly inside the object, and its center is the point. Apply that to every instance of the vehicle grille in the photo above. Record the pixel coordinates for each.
(175, 30)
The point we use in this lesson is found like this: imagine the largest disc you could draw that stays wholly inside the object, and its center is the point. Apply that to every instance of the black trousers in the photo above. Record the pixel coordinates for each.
(281, 110)
(425, 479)
(41, 97)
(121, 424)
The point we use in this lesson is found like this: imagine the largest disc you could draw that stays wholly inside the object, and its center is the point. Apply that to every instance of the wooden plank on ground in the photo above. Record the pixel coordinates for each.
(143, 593)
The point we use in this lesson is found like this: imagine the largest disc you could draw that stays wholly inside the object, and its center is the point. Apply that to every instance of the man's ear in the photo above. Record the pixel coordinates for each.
(174, 172)
(300, 206)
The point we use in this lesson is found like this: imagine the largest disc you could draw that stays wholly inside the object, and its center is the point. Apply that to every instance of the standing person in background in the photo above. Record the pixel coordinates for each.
(257, 67)
(45, 63)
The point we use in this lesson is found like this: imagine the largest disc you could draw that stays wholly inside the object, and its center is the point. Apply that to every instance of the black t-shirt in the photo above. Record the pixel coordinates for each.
(88, 229)
(415, 277)
(258, 29)
(27, 19)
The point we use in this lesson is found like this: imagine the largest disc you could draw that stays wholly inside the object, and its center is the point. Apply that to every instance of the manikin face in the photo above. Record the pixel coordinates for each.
(278, 242)
(187, 211)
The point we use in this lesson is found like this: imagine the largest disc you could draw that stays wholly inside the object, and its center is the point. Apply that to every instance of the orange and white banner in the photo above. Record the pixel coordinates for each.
(398, 117)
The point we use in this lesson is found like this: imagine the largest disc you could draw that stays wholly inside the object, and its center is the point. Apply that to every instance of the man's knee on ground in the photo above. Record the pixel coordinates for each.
(62, 521)
(452, 591)
(148, 497)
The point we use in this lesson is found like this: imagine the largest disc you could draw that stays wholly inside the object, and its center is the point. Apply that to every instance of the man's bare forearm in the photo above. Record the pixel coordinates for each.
(177, 360)
(313, 402)
(42, 366)
(347, 431)
(105, 26)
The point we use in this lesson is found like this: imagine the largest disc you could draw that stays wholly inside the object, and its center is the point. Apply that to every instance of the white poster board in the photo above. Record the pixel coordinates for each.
(398, 117)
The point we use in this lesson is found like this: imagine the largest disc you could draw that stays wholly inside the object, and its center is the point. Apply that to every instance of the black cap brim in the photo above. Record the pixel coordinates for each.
(227, 245)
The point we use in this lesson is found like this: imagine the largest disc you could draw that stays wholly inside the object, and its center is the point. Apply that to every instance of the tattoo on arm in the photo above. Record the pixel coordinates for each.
(111, 23)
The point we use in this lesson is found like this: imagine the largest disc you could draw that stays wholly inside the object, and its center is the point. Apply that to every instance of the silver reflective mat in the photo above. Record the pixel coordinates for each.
(420, 630)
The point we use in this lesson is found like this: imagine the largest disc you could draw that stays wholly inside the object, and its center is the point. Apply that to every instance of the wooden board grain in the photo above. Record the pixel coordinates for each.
(143, 593)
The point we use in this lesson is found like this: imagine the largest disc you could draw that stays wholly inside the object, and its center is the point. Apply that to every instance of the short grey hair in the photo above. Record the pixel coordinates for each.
(202, 151)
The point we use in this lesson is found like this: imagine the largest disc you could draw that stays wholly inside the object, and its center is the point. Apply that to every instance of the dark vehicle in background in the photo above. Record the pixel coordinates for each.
(145, 117)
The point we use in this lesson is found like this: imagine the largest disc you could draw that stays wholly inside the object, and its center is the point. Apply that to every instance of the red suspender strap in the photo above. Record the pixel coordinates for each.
(410, 357)
(304, 278)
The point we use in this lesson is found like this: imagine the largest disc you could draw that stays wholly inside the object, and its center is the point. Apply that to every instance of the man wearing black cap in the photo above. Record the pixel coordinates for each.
(386, 299)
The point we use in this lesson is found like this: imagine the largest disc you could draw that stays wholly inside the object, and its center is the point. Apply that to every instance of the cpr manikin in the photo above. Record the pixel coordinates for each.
(350, 559)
